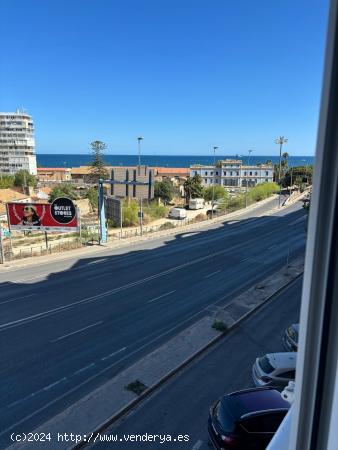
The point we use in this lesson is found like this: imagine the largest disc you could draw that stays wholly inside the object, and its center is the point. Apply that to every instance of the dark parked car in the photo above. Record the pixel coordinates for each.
(290, 338)
(246, 419)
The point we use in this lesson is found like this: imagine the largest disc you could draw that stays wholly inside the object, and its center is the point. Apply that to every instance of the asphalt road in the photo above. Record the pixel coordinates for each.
(68, 326)
(181, 406)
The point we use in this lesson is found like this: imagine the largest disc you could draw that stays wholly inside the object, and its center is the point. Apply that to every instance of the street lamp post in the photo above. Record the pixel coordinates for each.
(213, 185)
(139, 139)
(280, 141)
(246, 189)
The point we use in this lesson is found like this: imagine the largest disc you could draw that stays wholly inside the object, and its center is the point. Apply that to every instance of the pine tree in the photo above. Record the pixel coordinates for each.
(97, 167)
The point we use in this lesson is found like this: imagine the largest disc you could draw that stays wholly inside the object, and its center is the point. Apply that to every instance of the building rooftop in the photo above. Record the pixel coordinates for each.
(171, 170)
(53, 169)
(11, 195)
(201, 166)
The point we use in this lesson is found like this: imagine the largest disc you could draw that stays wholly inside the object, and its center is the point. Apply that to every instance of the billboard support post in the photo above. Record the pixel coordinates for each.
(2, 255)
(121, 217)
(102, 216)
(46, 239)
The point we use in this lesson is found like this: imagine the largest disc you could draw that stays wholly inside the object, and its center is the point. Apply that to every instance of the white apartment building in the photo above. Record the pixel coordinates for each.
(231, 173)
(17, 143)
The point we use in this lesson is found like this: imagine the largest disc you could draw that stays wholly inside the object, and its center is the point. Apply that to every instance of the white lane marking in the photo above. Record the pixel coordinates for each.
(213, 273)
(198, 445)
(161, 296)
(17, 298)
(17, 402)
(114, 353)
(50, 386)
(33, 394)
(75, 332)
(97, 261)
(300, 219)
(84, 368)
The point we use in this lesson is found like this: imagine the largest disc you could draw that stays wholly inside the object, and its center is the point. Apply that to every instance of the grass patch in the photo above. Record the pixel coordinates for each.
(220, 326)
(136, 386)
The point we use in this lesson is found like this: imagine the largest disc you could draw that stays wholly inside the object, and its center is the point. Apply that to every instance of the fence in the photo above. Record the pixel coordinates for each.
(155, 228)
(38, 250)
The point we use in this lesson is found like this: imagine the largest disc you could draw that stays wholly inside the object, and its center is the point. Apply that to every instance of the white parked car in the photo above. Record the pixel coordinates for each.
(275, 369)
(178, 213)
(196, 203)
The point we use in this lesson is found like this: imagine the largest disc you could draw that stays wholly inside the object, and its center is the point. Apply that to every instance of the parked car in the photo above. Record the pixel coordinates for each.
(290, 338)
(246, 419)
(196, 203)
(177, 213)
(275, 369)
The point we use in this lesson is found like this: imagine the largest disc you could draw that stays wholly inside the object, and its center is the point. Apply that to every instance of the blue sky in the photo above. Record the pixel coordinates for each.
(185, 74)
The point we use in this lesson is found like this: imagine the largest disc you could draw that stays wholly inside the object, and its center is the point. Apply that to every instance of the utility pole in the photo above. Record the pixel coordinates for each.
(2, 255)
(121, 217)
(141, 217)
(139, 139)
(246, 189)
(280, 141)
(213, 185)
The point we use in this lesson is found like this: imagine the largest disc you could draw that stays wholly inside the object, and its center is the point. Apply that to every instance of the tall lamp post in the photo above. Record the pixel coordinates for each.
(280, 141)
(213, 184)
(139, 139)
(246, 188)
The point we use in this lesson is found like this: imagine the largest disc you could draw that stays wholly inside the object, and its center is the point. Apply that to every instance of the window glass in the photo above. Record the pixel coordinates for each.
(265, 365)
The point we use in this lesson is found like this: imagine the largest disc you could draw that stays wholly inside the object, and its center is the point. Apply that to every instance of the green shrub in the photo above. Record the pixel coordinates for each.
(220, 326)
(167, 226)
(130, 213)
(136, 386)
(218, 191)
(262, 191)
(236, 202)
(155, 211)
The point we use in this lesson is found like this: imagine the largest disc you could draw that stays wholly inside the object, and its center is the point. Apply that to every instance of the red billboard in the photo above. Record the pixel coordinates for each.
(61, 215)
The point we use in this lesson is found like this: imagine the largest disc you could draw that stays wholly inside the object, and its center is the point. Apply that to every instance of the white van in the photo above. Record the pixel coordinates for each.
(177, 213)
(196, 203)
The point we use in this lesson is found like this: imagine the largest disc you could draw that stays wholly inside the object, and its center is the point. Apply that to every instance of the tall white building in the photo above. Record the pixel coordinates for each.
(231, 173)
(17, 143)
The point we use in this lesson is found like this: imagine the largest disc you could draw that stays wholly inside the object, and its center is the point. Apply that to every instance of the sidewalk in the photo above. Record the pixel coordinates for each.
(89, 251)
(97, 410)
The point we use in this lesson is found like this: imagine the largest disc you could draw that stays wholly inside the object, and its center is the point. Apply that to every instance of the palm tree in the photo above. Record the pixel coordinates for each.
(284, 162)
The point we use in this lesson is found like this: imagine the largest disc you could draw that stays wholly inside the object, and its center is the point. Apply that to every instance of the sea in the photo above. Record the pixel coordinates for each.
(68, 160)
